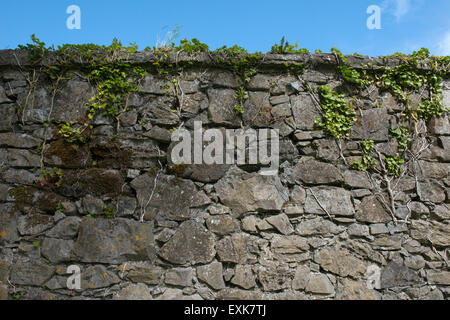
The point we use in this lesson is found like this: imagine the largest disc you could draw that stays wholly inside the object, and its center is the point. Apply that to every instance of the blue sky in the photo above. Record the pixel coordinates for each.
(407, 25)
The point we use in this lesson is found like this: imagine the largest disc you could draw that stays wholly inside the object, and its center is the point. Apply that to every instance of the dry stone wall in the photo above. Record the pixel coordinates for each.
(140, 227)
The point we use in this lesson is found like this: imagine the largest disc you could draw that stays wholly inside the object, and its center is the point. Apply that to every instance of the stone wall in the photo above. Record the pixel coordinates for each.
(141, 228)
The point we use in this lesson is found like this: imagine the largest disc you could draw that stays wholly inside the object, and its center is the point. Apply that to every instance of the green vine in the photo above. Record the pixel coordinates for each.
(338, 115)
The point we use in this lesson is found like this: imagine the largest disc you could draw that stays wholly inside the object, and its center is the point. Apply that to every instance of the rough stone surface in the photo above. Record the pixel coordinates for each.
(340, 261)
(336, 201)
(113, 241)
(143, 227)
(251, 192)
(212, 274)
(311, 171)
(191, 244)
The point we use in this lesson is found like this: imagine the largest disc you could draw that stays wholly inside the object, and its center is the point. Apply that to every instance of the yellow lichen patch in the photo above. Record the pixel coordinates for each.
(3, 234)
(59, 270)
(120, 249)
(91, 285)
(105, 275)
(112, 248)
(100, 247)
(137, 238)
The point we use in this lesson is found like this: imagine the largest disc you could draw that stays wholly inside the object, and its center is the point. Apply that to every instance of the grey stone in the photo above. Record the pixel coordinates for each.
(358, 230)
(150, 275)
(340, 261)
(66, 228)
(92, 205)
(440, 125)
(357, 179)
(23, 158)
(311, 171)
(191, 244)
(97, 276)
(244, 277)
(154, 85)
(221, 224)
(318, 226)
(134, 292)
(396, 274)
(301, 278)
(305, 112)
(18, 140)
(3, 97)
(212, 274)
(249, 224)
(435, 232)
(319, 284)
(372, 125)
(221, 107)
(177, 294)
(257, 110)
(179, 277)
(159, 134)
(4, 188)
(8, 223)
(388, 242)
(281, 223)
(57, 250)
(378, 228)
(355, 290)
(288, 244)
(3, 292)
(166, 197)
(31, 273)
(159, 111)
(126, 206)
(439, 277)
(225, 79)
(441, 212)
(239, 294)
(251, 192)
(431, 191)
(336, 201)
(234, 248)
(114, 241)
(19, 176)
(34, 224)
(275, 278)
(7, 116)
(372, 210)
(216, 209)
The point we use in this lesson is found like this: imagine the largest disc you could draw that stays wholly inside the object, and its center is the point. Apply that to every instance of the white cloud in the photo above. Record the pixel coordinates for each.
(444, 45)
(398, 8)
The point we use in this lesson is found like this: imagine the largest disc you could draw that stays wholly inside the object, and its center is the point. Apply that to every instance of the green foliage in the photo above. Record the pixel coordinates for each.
(394, 165)
(19, 294)
(108, 212)
(284, 47)
(192, 46)
(51, 178)
(368, 161)
(403, 137)
(36, 49)
(338, 115)
(241, 96)
(72, 134)
(36, 244)
(114, 83)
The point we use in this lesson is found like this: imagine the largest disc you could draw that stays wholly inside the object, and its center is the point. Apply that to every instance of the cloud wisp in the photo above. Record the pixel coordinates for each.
(398, 8)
